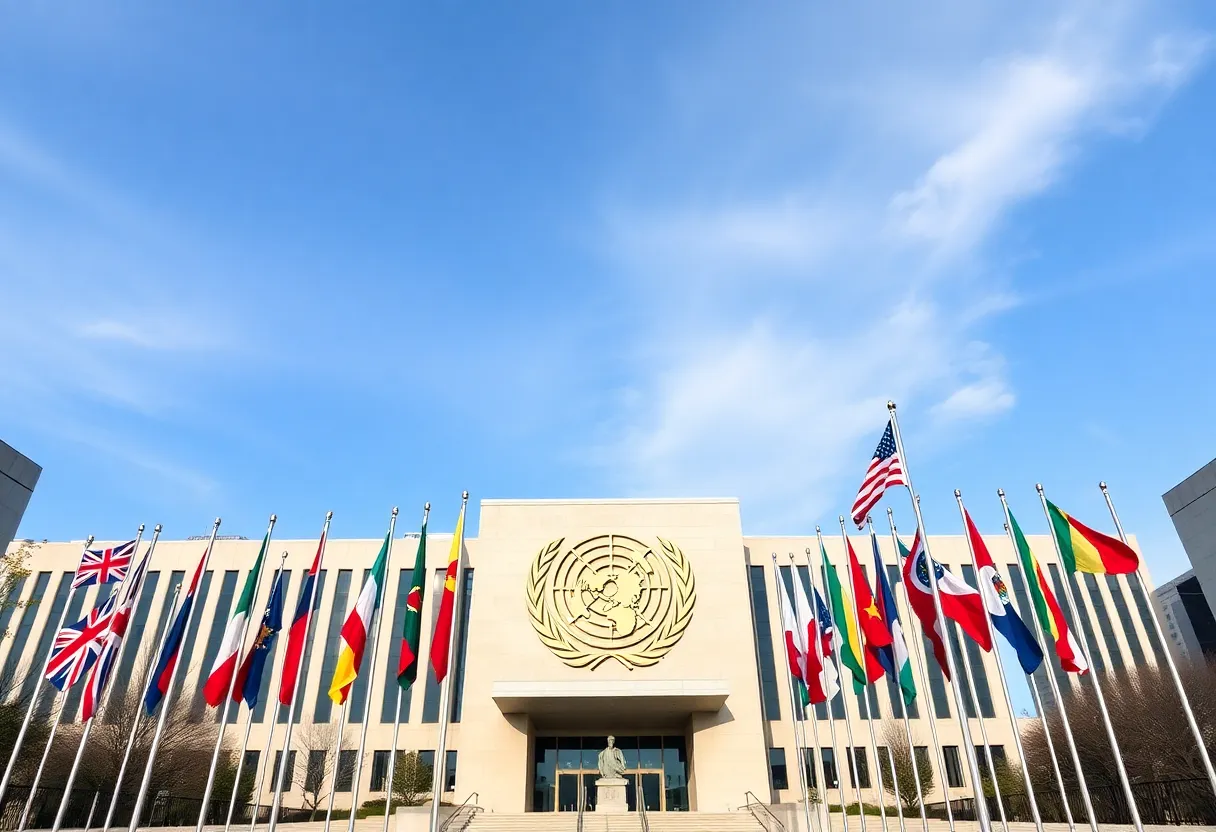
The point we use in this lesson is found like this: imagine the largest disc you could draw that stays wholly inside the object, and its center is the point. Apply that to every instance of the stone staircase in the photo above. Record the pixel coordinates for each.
(593, 822)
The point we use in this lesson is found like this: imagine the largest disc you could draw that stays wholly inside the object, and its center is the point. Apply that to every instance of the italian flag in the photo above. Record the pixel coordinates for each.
(1046, 607)
(1085, 550)
(215, 689)
(357, 627)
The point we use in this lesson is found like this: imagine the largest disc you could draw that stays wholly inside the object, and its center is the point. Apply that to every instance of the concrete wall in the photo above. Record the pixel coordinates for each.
(1192, 507)
(18, 476)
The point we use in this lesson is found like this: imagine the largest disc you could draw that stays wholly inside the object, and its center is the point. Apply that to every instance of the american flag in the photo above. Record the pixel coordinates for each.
(95, 687)
(77, 645)
(827, 631)
(885, 471)
(104, 566)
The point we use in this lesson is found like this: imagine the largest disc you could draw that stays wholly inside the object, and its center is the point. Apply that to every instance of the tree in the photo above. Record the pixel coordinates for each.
(897, 743)
(412, 780)
(13, 567)
(315, 742)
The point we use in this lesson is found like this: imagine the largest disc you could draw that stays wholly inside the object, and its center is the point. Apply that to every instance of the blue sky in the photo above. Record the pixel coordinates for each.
(285, 258)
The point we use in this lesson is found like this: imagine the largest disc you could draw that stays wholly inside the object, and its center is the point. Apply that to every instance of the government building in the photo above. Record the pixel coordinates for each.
(655, 621)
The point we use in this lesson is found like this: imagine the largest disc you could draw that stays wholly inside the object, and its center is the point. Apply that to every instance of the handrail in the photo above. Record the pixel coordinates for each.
(466, 809)
(582, 802)
(753, 803)
(640, 799)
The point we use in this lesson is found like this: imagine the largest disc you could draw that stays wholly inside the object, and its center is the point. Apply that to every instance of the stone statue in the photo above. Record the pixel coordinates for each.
(612, 761)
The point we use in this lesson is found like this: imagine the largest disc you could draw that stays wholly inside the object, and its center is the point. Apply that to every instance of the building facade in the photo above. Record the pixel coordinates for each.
(18, 476)
(1192, 507)
(1190, 627)
(655, 621)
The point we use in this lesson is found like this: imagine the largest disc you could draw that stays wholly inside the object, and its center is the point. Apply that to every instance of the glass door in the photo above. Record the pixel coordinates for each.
(568, 794)
(652, 790)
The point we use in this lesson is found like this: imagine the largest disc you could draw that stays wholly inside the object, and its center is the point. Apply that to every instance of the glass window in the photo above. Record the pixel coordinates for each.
(44, 641)
(1087, 626)
(650, 752)
(1025, 609)
(219, 623)
(982, 691)
(346, 770)
(937, 680)
(431, 690)
(16, 650)
(388, 700)
(923, 762)
(831, 778)
(860, 776)
(462, 634)
(1124, 616)
(954, 769)
(778, 778)
(675, 774)
(629, 748)
(769, 699)
(998, 756)
(449, 771)
(569, 753)
(9, 605)
(323, 709)
(426, 759)
(308, 643)
(314, 775)
(1104, 626)
(187, 651)
(808, 767)
(289, 776)
(1142, 609)
(543, 783)
(379, 770)
(249, 766)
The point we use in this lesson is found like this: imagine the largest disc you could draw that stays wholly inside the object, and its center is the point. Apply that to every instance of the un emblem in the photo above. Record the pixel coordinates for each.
(610, 597)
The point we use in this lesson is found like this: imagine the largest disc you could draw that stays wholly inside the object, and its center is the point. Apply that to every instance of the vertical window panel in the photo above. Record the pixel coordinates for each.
(1123, 615)
(462, 638)
(323, 709)
(979, 671)
(388, 698)
(306, 660)
(831, 776)
(1104, 625)
(430, 693)
(1143, 610)
(16, 649)
(191, 639)
(74, 601)
(954, 768)
(769, 698)
(777, 773)
(860, 776)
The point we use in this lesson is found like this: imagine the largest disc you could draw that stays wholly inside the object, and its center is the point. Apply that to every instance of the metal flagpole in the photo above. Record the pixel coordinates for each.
(1000, 671)
(225, 711)
(924, 681)
(1101, 699)
(1051, 749)
(899, 808)
(240, 760)
(861, 636)
(46, 752)
(295, 690)
(1055, 691)
(167, 704)
(445, 695)
(392, 754)
(377, 622)
(811, 705)
(88, 726)
(789, 684)
(827, 702)
(263, 764)
(931, 568)
(29, 711)
(848, 723)
(126, 756)
(333, 780)
(1169, 658)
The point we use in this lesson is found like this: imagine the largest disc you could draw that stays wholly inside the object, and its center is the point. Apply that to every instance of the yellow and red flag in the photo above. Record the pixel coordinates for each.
(1086, 550)
(447, 604)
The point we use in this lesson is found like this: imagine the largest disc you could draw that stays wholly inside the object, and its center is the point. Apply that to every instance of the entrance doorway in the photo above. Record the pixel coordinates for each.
(569, 792)
(655, 766)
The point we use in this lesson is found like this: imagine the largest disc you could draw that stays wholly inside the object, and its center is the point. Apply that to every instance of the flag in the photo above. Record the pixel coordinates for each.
(960, 603)
(1085, 550)
(875, 634)
(443, 625)
(1051, 617)
(885, 471)
(299, 629)
(215, 689)
(795, 643)
(357, 627)
(249, 676)
(158, 687)
(823, 683)
(100, 676)
(848, 639)
(996, 598)
(104, 566)
(411, 632)
(894, 658)
(921, 601)
(77, 645)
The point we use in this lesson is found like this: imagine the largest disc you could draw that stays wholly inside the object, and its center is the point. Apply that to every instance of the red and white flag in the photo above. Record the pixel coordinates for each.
(885, 471)
(960, 603)
(215, 689)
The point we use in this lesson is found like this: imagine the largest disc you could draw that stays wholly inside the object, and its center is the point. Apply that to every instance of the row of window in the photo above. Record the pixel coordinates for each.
(317, 774)
(868, 701)
(779, 774)
(142, 622)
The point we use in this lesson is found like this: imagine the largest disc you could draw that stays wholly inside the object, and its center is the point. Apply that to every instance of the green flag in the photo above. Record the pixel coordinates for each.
(846, 626)
(407, 667)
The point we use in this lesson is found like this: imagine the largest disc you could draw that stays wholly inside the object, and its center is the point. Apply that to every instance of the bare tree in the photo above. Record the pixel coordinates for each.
(412, 780)
(897, 742)
(14, 566)
(315, 741)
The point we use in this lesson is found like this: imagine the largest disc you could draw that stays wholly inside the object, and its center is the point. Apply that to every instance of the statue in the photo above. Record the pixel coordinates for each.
(612, 761)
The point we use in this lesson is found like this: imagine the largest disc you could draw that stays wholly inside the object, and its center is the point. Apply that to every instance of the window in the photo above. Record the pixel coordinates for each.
(998, 757)
(954, 769)
(306, 661)
(183, 660)
(426, 759)
(249, 766)
(9, 604)
(289, 776)
(831, 779)
(771, 704)
(449, 771)
(314, 775)
(21, 637)
(323, 709)
(1104, 626)
(346, 770)
(923, 762)
(1142, 609)
(937, 680)
(808, 767)
(431, 690)
(135, 632)
(777, 775)
(219, 623)
(44, 642)
(860, 776)
(1123, 615)
(392, 690)
(462, 636)
(379, 770)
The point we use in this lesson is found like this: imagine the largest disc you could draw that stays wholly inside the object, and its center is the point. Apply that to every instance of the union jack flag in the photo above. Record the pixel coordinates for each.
(77, 645)
(96, 686)
(104, 566)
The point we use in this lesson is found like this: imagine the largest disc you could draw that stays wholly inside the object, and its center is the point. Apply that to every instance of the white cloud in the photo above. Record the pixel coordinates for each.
(988, 397)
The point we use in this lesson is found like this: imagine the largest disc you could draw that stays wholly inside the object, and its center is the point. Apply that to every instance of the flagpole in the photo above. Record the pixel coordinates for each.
(899, 809)
(167, 704)
(333, 780)
(295, 690)
(224, 706)
(929, 705)
(1169, 658)
(126, 755)
(1087, 652)
(848, 723)
(1055, 691)
(815, 764)
(827, 701)
(920, 798)
(392, 754)
(445, 696)
(1000, 671)
(88, 725)
(240, 764)
(29, 711)
(931, 568)
(789, 684)
(861, 638)
(263, 764)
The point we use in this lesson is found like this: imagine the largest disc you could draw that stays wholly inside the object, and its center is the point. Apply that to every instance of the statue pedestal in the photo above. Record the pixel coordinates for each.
(610, 796)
